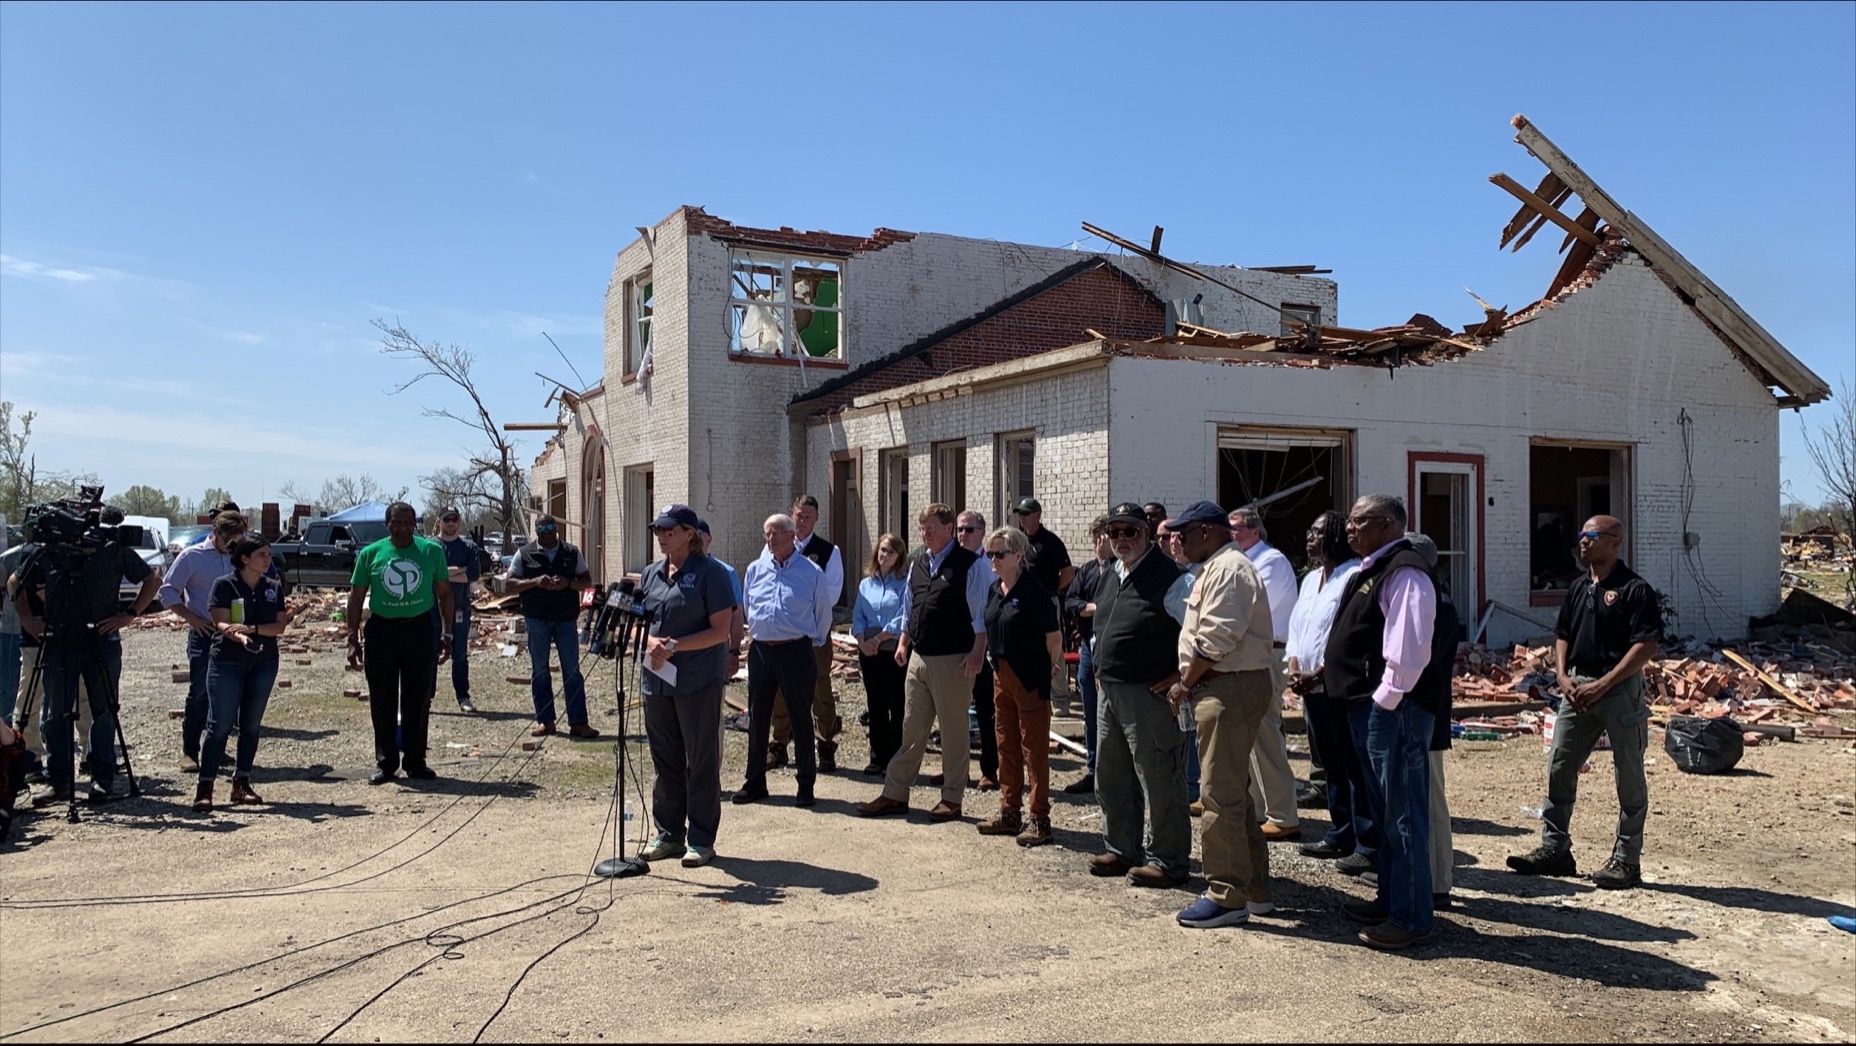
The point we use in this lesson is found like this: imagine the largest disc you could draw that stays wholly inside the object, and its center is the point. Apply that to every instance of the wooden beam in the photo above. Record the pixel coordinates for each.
(1549, 190)
(1785, 369)
(1777, 687)
(534, 426)
(1158, 232)
(1545, 209)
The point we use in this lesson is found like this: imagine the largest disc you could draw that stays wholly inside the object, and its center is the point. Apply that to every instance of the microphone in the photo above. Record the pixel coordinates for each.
(630, 613)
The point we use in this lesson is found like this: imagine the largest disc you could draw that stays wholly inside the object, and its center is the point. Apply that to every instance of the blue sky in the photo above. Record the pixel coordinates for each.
(202, 207)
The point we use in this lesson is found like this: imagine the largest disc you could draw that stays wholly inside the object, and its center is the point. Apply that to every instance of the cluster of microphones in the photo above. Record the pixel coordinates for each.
(617, 620)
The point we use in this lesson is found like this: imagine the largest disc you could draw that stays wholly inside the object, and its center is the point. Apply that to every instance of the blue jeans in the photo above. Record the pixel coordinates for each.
(237, 692)
(9, 674)
(563, 636)
(1398, 790)
(1086, 686)
(101, 668)
(193, 720)
(1351, 822)
(459, 631)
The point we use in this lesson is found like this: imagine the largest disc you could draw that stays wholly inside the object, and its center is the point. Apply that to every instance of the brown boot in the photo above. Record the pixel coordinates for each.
(203, 797)
(1008, 822)
(242, 793)
(1036, 833)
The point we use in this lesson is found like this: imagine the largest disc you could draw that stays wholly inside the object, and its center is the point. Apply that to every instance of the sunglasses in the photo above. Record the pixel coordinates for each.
(547, 529)
(968, 530)
(1594, 535)
(1126, 532)
(996, 554)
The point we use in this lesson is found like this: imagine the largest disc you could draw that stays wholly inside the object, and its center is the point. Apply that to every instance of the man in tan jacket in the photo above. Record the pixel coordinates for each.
(1224, 669)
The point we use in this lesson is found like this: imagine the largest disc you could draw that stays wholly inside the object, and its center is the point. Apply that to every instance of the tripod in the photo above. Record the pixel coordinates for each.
(620, 866)
(84, 663)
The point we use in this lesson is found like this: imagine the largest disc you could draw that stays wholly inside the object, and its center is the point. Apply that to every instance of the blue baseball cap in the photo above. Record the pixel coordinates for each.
(1198, 512)
(702, 527)
(677, 516)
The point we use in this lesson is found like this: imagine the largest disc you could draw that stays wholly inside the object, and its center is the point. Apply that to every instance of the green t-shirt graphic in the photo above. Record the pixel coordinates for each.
(401, 582)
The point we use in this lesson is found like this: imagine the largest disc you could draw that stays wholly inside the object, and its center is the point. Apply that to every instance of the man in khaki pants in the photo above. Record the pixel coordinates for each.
(943, 647)
(1224, 668)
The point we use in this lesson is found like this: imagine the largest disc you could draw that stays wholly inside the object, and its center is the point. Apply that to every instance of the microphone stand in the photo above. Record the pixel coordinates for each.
(619, 866)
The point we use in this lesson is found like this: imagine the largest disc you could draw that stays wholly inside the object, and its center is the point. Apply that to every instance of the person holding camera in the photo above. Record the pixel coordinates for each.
(248, 616)
(81, 641)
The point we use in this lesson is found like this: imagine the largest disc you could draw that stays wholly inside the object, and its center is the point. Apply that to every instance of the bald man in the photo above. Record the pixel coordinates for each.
(1608, 629)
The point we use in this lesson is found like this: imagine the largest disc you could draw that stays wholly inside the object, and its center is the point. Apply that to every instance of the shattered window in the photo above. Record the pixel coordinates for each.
(1295, 316)
(643, 302)
(778, 301)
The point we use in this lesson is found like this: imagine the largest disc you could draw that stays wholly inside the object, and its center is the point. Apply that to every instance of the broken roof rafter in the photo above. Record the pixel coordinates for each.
(1770, 361)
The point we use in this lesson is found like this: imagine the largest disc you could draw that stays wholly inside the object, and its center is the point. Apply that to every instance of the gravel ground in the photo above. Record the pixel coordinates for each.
(817, 925)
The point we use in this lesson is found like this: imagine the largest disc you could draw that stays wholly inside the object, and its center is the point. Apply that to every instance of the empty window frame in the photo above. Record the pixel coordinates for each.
(950, 474)
(1567, 484)
(1293, 315)
(777, 301)
(640, 498)
(1017, 455)
(556, 504)
(640, 303)
(894, 481)
(1290, 475)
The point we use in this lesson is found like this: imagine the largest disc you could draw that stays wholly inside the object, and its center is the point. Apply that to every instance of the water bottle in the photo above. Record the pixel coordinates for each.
(1187, 723)
(236, 612)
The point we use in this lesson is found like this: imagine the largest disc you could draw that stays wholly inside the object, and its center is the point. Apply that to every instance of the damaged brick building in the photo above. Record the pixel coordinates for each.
(884, 372)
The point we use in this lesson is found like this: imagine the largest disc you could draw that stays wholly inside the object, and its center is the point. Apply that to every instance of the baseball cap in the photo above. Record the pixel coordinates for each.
(1423, 546)
(677, 516)
(1197, 512)
(1127, 512)
(1027, 505)
(702, 527)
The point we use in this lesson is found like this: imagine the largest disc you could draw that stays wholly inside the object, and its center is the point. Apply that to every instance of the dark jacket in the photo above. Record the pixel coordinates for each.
(1137, 641)
(1081, 593)
(1356, 661)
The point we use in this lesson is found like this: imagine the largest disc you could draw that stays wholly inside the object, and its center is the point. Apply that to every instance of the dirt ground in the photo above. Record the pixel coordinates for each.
(459, 908)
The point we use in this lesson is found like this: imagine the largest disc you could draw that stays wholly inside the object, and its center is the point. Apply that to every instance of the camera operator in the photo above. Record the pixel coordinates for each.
(84, 643)
(188, 592)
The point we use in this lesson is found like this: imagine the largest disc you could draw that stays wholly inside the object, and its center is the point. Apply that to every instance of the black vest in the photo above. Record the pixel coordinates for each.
(541, 603)
(1356, 661)
(1137, 641)
(940, 622)
(818, 550)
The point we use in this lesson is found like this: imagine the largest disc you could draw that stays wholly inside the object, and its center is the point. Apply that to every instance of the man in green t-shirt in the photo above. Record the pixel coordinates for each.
(402, 576)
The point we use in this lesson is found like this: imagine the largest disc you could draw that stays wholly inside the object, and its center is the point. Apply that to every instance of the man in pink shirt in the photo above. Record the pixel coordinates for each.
(1377, 651)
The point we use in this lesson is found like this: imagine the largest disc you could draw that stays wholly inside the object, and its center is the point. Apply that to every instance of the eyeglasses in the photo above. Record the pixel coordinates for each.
(1594, 535)
(1361, 521)
(968, 530)
(993, 553)
(1126, 532)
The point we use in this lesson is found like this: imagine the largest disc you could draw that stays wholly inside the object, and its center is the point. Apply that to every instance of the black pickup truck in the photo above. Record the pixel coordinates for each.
(325, 555)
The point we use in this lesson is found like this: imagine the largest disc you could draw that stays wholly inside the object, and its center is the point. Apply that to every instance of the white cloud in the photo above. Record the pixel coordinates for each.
(243, 337)
(12, 266)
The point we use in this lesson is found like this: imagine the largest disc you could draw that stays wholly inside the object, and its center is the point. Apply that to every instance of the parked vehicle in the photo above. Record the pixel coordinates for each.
(326, 554)
(153, 548)
(181, 537)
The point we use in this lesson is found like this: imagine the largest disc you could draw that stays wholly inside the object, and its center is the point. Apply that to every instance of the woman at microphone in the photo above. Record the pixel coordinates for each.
(691, 604)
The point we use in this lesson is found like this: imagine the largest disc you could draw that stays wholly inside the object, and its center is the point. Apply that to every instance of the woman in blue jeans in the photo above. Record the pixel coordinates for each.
(248, 616)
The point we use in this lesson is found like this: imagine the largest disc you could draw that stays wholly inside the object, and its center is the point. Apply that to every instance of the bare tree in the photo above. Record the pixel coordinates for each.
(474, 493)
(22, 485)
(496, 466)
(1833, 452)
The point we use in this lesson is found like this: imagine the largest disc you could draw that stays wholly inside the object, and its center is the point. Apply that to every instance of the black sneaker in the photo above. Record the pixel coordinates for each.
(1311, 797)
(1544, 860)
(749, 793)
(1618, 874)
(380, 777)
(465, 706)
(1354, 864)
(1084, 785)
(99, 792)
(1368, 912)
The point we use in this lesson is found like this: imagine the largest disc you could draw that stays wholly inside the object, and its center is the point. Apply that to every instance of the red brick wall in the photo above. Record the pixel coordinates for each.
(1098, 299)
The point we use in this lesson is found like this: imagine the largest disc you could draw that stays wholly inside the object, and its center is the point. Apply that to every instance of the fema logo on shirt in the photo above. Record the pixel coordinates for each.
(401, 578)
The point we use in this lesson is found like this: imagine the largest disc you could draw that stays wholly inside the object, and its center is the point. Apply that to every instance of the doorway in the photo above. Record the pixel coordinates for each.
(1446, 503)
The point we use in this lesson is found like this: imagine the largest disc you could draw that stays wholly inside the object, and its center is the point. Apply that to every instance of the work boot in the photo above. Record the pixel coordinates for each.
(242, 793)
(1618, 874)
(776, 756)
(203, 798)
(1544, 860)
(1084, 785)
(1036, 833)
(827, 757)
(1006, 822)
